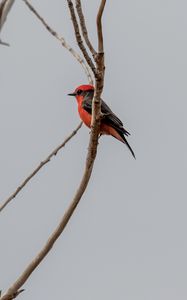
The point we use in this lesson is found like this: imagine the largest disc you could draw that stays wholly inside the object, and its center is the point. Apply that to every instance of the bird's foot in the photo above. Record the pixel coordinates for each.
(105, 115)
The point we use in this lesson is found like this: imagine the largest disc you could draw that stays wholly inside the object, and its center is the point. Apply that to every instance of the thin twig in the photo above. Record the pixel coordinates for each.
(62, 41)
(84, 28)
(79, 38)
(43, 163)
(99, 26)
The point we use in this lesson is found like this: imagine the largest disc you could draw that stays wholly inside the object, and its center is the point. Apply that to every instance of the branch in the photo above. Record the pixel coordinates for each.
(5, 7)
(78, 37)
(62, 41)
(99, 27)
(92, 152)
(43, 163)
(83, 27)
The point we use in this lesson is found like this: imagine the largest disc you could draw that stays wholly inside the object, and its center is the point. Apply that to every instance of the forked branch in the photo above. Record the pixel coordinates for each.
(84, 28)
(62, 41)
(79, 38)
(90, 80)
(92, 151)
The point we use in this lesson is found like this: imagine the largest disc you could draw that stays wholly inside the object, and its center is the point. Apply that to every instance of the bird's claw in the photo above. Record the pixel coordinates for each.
(104, 115)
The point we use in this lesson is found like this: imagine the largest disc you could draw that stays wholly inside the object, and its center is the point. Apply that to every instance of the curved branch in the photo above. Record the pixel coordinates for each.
(43, 163)
(79, 38)
(99, 27)
(5, 7)
(84, 28)
(62, 41)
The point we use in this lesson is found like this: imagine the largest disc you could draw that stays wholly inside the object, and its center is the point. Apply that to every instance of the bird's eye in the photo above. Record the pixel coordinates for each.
(79, 92)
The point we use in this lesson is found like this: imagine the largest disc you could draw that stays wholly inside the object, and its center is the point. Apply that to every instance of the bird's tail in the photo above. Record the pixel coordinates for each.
(118, 133)
(123, 140)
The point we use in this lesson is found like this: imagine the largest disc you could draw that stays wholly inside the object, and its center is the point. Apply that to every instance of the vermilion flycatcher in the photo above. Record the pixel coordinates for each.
(110, 123)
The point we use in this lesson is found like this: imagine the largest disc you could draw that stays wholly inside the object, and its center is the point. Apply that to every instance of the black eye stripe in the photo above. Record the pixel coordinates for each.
(79, 92)
(82, 92)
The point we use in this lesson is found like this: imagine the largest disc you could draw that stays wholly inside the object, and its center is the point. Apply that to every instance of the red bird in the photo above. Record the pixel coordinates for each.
(110, 124)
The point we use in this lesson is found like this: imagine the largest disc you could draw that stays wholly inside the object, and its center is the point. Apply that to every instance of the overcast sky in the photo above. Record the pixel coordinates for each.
(127, 238)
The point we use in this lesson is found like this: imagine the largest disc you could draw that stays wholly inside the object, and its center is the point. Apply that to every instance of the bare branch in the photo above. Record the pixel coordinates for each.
(41, 165)
(5, 7)
(83, 27)
(99, 27)
(79, 38)
(14, 295)
(62, 41)
(92, 152)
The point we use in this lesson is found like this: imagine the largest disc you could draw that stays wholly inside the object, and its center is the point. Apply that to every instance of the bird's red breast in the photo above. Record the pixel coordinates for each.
(84, 115)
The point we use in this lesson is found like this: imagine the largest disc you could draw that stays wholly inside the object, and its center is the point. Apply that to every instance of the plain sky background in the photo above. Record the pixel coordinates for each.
(127, 238)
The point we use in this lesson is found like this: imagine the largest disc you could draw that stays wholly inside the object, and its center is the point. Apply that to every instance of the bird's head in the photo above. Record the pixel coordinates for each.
(82, 91)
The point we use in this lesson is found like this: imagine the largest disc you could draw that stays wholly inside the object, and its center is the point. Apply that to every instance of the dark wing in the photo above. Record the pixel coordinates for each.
(87, 103)
(109, 117)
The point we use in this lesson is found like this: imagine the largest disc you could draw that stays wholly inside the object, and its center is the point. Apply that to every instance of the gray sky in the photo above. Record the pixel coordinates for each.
(127, 239)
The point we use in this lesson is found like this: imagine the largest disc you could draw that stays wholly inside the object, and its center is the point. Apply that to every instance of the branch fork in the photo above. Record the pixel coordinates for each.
(98, 72)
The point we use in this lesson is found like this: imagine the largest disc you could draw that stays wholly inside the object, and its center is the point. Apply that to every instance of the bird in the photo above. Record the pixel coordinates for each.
(110, 123)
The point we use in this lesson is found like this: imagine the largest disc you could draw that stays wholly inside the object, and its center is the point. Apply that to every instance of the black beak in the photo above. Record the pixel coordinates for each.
(72, 94)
